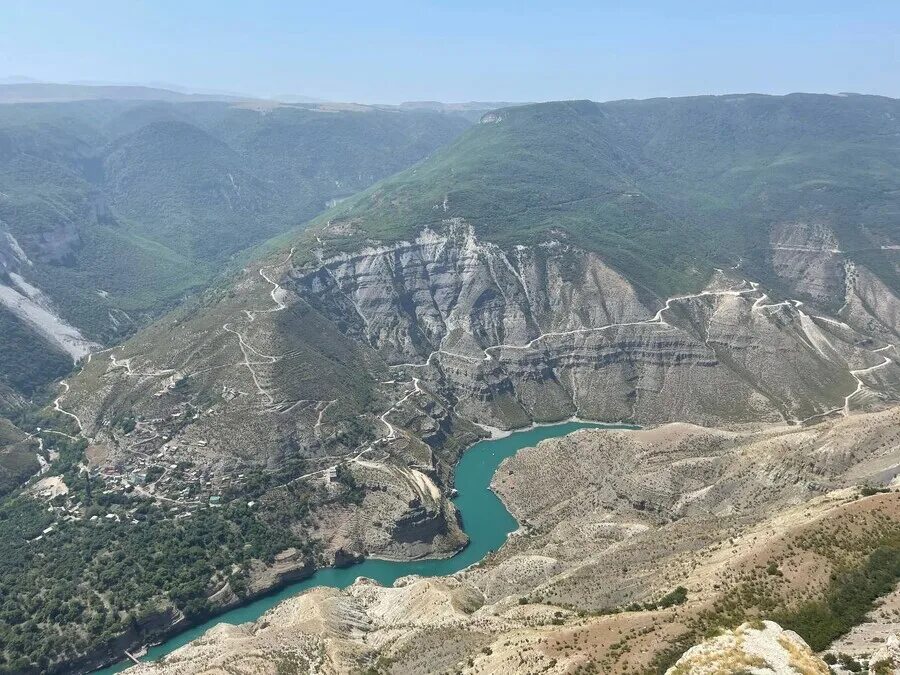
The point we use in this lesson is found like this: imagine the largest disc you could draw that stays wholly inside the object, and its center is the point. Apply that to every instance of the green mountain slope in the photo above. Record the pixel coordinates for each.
(664, 189)
(174, 183)
(115, 210)
(26, 361)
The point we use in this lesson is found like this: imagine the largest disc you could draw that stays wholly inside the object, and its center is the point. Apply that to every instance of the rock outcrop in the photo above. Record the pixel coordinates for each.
(763, 649)
(886, 659)
(546, 332)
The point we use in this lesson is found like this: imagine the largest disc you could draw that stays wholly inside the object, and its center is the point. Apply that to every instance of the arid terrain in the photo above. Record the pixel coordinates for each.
(325, 361)
(632, 547)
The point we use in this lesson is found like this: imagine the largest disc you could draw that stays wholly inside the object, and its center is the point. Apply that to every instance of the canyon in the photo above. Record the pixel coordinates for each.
(704, 269)
(679, 506)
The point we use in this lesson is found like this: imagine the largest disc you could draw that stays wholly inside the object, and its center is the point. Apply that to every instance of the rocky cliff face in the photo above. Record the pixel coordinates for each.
(546, 332)
(12, 257)
(765, 649)
(40, 344)
(388, 358)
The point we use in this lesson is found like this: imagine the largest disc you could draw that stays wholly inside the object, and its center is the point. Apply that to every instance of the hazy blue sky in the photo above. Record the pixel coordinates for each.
(381, 50)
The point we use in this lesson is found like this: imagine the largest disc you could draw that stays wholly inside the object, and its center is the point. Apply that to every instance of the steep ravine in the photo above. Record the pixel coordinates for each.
(678, 506)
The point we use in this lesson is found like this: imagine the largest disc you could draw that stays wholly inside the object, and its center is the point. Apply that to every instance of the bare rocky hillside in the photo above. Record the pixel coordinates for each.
(632, 548)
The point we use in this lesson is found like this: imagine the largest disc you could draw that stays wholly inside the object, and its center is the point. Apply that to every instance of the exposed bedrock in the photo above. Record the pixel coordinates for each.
(546, 332)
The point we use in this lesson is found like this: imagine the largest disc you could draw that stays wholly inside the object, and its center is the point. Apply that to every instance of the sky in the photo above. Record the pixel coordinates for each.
(383, 51)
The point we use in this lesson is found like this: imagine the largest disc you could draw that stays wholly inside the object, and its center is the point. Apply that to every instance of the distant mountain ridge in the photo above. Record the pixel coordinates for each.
(463, 106)
(115, 209)
(666, 189)
(50, 92)
(20, 89)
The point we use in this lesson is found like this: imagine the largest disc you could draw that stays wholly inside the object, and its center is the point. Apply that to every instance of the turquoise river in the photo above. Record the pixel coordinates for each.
(484, 517)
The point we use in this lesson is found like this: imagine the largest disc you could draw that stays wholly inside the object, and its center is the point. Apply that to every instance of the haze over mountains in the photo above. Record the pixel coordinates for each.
(22, 89)
(560, 259)
(114, 210)
(370, 290)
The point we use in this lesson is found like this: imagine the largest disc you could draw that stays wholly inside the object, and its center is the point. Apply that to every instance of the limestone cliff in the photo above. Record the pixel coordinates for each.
(389, 358)
(546, 332)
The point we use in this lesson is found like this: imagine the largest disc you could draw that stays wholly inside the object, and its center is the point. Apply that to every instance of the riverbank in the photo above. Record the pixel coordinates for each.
(484, 518)
(496, 433)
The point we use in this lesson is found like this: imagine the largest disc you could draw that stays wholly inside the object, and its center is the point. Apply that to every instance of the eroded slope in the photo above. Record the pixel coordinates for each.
(710, 512)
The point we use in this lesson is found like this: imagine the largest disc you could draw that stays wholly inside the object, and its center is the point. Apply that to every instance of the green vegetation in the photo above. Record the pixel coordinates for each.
(27, 362)
(19, 450)
(869, 490)
(667, 657)
(664, 189)
(87, 582)
(17, 464)
(125, 207)
(672, 598)
(677, 596)
(849, 663)
(353, 493)
(543, 169)
(111, 562)
(102, 563)
(851, 594)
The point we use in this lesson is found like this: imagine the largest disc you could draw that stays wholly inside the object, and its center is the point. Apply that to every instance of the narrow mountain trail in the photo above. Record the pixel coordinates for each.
(58, 408)
(813, 334)
(835, 251)
(245, 349)
(860, 385)
(251, 355)
(356, 459)
(125, 363)
(254, 359)
(277, 295)
(655, 320)
(277, 292)
(392, 430)
(366, 448)
(760, 303)
(317, 429)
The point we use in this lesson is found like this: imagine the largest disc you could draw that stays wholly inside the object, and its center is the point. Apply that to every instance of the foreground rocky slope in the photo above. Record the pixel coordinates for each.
(763, 648)
(681, 530)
